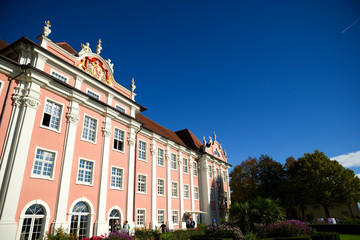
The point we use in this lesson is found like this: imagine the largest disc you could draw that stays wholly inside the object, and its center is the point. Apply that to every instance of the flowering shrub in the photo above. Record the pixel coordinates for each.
(289, 228)
(224, 231)
(60, 234)
(118, 235)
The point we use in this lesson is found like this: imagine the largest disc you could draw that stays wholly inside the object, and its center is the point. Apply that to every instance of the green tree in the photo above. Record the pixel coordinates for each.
(323, 181)
(243, 181)
(270, 178)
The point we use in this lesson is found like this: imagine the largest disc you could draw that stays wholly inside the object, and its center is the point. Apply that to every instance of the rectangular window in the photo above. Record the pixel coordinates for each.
(186, 191)
(210, 172)
(58, 76)
(140, 218)
(121, 109)
(93, 94)
(195, 169)
(224, 176)
(43, 164)
(198, 218)
(212, 194)
(174, 189)
(119, 140)
(175, 217)
(160, 157)
(141, 183)
(161, 216)
(89, 129)
(51, 116)
(161, 187)
(217, 172)
(142, 150)
(185, 165)
(173, 162)
(196, 193)
(85, 172)
(116, 177)
(225, 198)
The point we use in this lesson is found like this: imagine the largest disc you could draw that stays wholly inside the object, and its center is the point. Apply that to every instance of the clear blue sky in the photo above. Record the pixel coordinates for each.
(270, 77)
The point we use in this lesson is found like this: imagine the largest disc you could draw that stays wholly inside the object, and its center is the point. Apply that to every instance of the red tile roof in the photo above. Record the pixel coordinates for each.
(67, 47)
(153, 126)
(189, 139)
(3, 44)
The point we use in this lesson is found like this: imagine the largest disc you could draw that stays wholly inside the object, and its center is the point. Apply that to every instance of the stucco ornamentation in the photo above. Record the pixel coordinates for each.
(72, 118)
(106, 132)
(131, 141)
(30, 102)
(46, 28)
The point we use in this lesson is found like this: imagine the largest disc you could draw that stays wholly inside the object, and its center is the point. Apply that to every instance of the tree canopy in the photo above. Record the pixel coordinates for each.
(312, 178)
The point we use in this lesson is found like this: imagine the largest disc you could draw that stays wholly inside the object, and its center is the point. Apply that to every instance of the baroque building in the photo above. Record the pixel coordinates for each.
(77, 153)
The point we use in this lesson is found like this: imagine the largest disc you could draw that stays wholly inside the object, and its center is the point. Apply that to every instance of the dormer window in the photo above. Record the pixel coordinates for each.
(93, 94)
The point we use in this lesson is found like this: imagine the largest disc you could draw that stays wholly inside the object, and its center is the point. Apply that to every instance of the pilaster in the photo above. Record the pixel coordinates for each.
(26, 100)
(67, 158)
(204, 190)
(101, 226)
(216, 194)
(130, 177)
(191, 168)
(169, 222)
(153, 222)
(182, 223)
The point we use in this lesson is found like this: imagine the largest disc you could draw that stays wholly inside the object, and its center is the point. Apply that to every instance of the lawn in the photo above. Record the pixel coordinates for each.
(349, 237)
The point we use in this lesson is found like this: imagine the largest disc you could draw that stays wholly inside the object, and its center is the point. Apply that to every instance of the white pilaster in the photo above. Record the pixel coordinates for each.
(17, 158)
(130, 178)
(182, 223)
(205, 190)
(101, 226)
(153, 222)
(67, 159)
(169, 221)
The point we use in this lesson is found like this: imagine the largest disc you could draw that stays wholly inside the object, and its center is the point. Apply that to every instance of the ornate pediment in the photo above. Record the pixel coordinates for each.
(95, 68)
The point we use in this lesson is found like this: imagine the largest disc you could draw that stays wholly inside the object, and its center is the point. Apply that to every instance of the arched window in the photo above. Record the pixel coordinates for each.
(80, 220)
(33, 223)
(113, 216)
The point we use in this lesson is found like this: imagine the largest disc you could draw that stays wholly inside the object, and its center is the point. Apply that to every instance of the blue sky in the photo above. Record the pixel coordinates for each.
(270, 77)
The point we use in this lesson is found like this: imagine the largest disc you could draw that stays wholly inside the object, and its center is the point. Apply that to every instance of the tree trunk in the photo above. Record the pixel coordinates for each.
(326, 208)
(302, 212)
(351, 212)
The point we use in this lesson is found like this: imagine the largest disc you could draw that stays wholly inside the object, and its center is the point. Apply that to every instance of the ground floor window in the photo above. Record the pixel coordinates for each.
(80, 220)
(114, 215)
(33, 224)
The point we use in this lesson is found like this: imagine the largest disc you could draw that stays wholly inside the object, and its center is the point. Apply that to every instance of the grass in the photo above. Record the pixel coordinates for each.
(349, 237)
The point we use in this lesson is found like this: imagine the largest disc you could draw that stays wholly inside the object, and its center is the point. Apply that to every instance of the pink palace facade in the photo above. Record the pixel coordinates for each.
(77, 153)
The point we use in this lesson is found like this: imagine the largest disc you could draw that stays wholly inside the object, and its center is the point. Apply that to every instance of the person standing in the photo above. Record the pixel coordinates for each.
(163, 227)
(192, 223)
(117, 226)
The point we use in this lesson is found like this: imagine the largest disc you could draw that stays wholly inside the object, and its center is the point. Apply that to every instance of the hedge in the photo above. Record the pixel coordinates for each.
(326, 236)
(339, 228)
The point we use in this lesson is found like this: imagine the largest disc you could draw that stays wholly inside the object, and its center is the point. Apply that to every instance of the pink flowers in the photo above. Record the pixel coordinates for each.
(289, 228)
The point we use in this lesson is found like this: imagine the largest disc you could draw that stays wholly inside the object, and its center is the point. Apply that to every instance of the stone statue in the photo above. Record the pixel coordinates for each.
(98, 47)
(85, 49)
(46, 28)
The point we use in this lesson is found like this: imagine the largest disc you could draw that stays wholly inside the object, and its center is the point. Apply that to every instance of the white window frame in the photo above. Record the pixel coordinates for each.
(93, 93)
(185, 166)
(161, 157)
(171, 161)
(60, 74)
(217, 172)
(122, 109)
(224, 176)
(137, 220)
(177, 190)
(186, 192)
(210, 172)
(145, 151)
(1, 86)
(176, 214)
(124, 134)
(122, 178)
(212, 194)
(92, 172)
(60, 115)
(96, 128)
(137, 185)
(195, 169)
(51, 177)
(196, 193)
(163, 187)
(163, 215)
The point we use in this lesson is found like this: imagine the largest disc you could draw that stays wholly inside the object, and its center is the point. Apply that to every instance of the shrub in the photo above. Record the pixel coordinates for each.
(60, 234)
(146, 234)
(350, 220)
(182, 234)
(168, 236)
(223, 231)
(326, 236)
(118, 235)
(289, 228)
